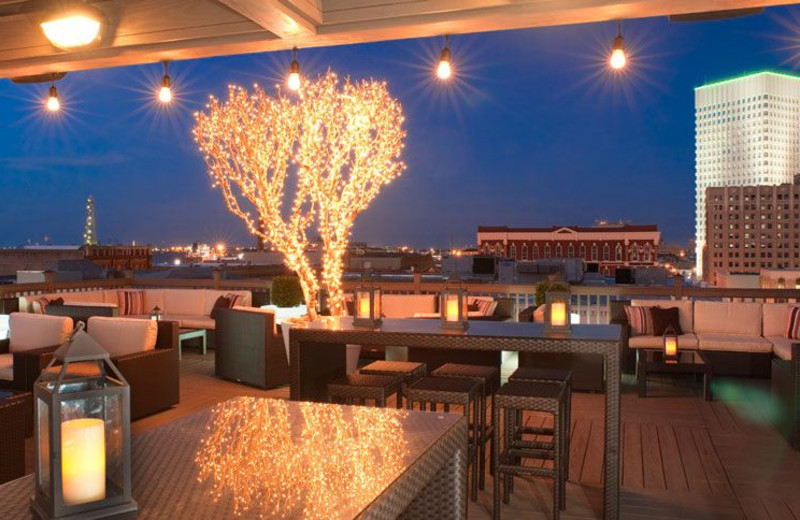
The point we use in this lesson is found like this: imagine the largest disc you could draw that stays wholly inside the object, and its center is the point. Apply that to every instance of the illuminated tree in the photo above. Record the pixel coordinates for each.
(248, 142)
(341, 139)
(350, 143)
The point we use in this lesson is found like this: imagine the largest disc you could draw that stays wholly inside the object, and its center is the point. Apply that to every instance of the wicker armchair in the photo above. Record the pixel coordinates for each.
(786, 390)
(249, 349)
(15, 413)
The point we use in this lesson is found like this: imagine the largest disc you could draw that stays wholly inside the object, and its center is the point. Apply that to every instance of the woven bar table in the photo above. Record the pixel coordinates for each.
(317, 356)
(415, 464)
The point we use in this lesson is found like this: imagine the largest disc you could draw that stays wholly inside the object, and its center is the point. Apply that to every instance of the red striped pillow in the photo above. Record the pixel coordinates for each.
(236, 299)
(640, 320)
(130, 303)
(793, 328)
(43, 303)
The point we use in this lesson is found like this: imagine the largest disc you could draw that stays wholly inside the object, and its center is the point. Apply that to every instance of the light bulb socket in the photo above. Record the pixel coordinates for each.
(445, 56)
(53, 91)
(166, 82)
(294, 68)
(619, 43)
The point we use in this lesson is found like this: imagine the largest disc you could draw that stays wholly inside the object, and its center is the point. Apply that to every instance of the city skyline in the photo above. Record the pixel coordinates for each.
(498, 147)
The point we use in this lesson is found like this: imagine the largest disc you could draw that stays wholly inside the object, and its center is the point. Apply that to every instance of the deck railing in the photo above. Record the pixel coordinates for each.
(591, 303)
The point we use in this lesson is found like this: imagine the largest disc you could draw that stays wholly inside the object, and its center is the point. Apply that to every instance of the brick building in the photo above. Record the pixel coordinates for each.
(120, 258)
(751, 228)
(603, 248)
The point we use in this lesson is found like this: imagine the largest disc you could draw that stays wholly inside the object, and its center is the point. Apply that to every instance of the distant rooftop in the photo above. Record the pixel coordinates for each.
(579, 229)
(749, 75)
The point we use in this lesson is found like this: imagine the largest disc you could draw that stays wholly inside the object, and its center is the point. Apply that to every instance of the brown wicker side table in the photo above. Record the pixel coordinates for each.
(15, 412)
(431, 391)
(488, 377)
(408, 370)
(356, 388)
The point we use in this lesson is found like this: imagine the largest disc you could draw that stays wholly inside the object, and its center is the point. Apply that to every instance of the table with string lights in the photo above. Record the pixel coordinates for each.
(317, 355)
(269, 458)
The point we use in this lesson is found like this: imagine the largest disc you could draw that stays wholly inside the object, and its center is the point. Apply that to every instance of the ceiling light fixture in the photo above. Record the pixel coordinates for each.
(618, 58)
(73, 25)
(444, 70)
(165, 92)
(293, 82)
(53, 105)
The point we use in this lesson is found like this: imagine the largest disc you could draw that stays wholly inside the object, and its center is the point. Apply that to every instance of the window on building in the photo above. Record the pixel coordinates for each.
(571, 250)
(582, 251)
(606, 253)
(618, 253)
(547, 251)
(524, 251)
(559, 251)
(514, 251)
(535, 251)
(594, 252)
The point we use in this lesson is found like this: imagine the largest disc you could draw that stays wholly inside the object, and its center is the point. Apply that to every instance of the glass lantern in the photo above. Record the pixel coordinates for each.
(82, 418)
(670, 344)
(556, 312)
(453, 304)
(155, 314)
(367, 301)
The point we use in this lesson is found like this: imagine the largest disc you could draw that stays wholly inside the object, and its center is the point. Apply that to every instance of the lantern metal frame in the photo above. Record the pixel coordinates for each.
(367, 289)
(155, 314)
(454, 290)
(89, 379)
(669, 332)
(552, 297)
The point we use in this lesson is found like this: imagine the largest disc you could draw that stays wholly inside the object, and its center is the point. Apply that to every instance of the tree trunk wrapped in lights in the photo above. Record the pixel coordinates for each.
(342, 140)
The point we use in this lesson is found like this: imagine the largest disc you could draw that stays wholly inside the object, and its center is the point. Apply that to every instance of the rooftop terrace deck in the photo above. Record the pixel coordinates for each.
(683, 458)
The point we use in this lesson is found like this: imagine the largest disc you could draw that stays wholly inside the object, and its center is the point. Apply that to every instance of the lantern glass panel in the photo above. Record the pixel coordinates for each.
(377, 304)
(43, 421)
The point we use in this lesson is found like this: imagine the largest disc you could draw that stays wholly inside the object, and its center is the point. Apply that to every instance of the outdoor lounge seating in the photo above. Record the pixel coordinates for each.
(27, 350)
(249, 348)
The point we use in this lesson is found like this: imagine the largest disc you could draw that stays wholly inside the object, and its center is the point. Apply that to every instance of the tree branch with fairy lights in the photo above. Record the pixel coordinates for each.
(331, 149)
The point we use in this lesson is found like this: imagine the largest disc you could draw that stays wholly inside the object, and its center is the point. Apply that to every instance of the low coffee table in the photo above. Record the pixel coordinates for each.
(184, 334)
(652, 361)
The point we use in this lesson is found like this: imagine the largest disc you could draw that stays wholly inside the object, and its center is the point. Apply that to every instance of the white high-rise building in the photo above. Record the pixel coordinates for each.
(747, 133)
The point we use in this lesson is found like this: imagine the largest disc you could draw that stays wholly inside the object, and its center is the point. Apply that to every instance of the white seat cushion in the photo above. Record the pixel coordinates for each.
(191, 321)
(782, 347)
(32, 331)
(685, 312)
(685, 342)
(734, 343)
(7, 367)
(735, 318)
(122, 336)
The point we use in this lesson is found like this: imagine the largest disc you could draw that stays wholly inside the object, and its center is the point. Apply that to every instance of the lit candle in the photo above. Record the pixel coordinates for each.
(363, 306)
(558, 314)
(671, 345)
(451, 310)
(83, 461)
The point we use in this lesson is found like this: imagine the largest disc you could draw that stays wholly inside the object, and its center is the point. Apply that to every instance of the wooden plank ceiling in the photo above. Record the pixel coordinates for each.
(147, 31)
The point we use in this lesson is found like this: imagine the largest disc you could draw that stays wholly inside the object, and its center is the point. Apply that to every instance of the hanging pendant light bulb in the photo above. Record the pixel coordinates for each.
(618, 58)
(444, 70)
(293, 82)
(53, 105)
(165, 92)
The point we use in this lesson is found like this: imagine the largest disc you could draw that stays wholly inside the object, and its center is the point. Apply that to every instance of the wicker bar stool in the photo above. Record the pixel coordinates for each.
(356, 388)
(408, 370)
(560, 376)
(430, 391)
(489, 380)
(518, 396)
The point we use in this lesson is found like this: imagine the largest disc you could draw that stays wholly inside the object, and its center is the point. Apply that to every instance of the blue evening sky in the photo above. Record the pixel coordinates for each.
(535, 132)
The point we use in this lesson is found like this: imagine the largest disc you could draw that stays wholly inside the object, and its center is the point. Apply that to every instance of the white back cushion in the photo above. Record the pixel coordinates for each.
(31, 331)
(153, 298)
(82, 297)
(776, 319)
(406, 305)
(121, 336)
(685, 313)
(189, 302)
(727, 318)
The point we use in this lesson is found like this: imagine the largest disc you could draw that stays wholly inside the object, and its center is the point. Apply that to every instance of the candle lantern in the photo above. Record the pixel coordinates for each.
(670, 344)
(155, 314)
(556, 312)
(367, 303)
(82, 418)
(453, 304)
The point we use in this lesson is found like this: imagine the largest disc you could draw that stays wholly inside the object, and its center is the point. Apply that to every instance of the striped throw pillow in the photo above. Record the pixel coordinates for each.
(131, 303)
(640, 320)
(236, 299)
(793, 328)
(43, 302)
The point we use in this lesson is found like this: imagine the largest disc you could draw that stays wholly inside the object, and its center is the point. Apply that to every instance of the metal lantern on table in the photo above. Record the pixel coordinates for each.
(155, 314)
(670, 344)
(367, 300)
(556, 312)
(453, 304)
(82, 422)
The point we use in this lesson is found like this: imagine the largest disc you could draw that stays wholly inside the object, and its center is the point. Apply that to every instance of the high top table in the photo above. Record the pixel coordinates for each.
(266, 458)
(317, 356)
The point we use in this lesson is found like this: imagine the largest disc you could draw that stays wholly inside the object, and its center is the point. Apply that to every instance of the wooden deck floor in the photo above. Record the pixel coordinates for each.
(683, 458)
